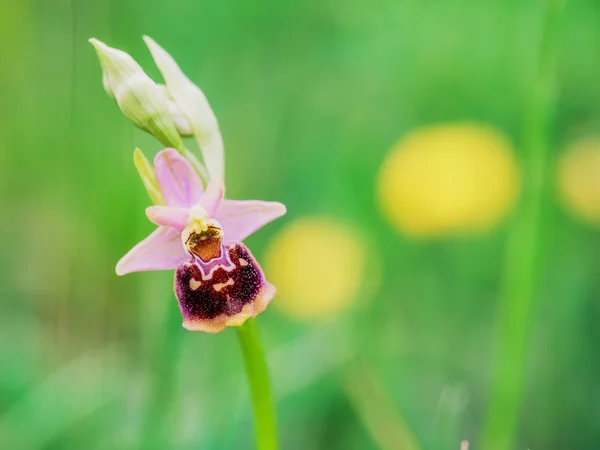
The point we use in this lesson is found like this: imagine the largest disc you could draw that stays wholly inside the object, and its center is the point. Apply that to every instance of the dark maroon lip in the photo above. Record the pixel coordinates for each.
(224, 291)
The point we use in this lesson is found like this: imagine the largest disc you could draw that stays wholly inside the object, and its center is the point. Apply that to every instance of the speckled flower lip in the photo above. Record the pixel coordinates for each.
(217, 280)
(227, 296)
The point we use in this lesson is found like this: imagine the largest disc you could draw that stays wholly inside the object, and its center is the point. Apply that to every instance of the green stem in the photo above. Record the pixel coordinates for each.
(523, 250)
(265, 423)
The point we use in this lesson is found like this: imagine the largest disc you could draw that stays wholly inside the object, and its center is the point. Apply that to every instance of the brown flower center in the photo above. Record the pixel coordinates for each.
(205, 244)
(203, 236)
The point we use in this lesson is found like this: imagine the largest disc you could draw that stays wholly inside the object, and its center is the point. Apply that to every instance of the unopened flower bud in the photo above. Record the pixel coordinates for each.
(181, 123)
(139, 98)
(194, 106)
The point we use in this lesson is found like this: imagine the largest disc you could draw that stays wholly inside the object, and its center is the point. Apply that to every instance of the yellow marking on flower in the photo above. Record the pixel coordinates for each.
(203, 235)
(194, 284)
(578, 180)
(450, 178)
(198, 218)
(219, 286)
(318, 266)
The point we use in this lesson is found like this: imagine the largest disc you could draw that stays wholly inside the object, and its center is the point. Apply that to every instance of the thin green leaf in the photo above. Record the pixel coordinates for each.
(148, 176)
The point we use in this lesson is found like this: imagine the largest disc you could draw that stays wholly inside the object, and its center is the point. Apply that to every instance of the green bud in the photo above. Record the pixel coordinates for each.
(192, 102)
(142, 101)
(148, 176)
(181, 123)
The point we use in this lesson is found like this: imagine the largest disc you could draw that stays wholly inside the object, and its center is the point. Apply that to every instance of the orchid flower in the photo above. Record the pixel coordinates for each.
(218, 282)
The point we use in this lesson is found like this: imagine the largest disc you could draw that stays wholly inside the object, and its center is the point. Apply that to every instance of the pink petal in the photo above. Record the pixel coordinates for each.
(212, 198)
(168, 216)
(162, 250)
(241, 218)
(179, 183)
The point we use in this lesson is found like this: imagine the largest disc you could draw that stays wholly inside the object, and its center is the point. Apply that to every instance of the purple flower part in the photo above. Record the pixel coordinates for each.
(189, 213)
(162, 250)
(207, 269)
(241, 218)
(178, 181)
(213, 196)
(168, 216)
(226, 297)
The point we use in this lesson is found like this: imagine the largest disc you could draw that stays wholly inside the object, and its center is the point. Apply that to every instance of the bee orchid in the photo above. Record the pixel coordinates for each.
(218, 283)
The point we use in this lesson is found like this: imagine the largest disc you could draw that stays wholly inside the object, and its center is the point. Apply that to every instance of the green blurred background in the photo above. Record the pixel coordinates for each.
(310, 97)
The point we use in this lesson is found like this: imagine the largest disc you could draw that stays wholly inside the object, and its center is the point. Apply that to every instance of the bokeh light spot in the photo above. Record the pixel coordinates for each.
(579, 180)
(449, 178)
(317, 265)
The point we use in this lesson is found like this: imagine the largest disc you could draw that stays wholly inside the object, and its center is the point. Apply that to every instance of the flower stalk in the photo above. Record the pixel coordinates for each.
(257, 373)
(199, 234)
(523, 251)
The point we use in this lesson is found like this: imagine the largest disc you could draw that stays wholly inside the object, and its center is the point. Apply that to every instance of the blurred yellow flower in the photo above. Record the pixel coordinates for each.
(317, 265)
(448, 178)
(579, 179)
